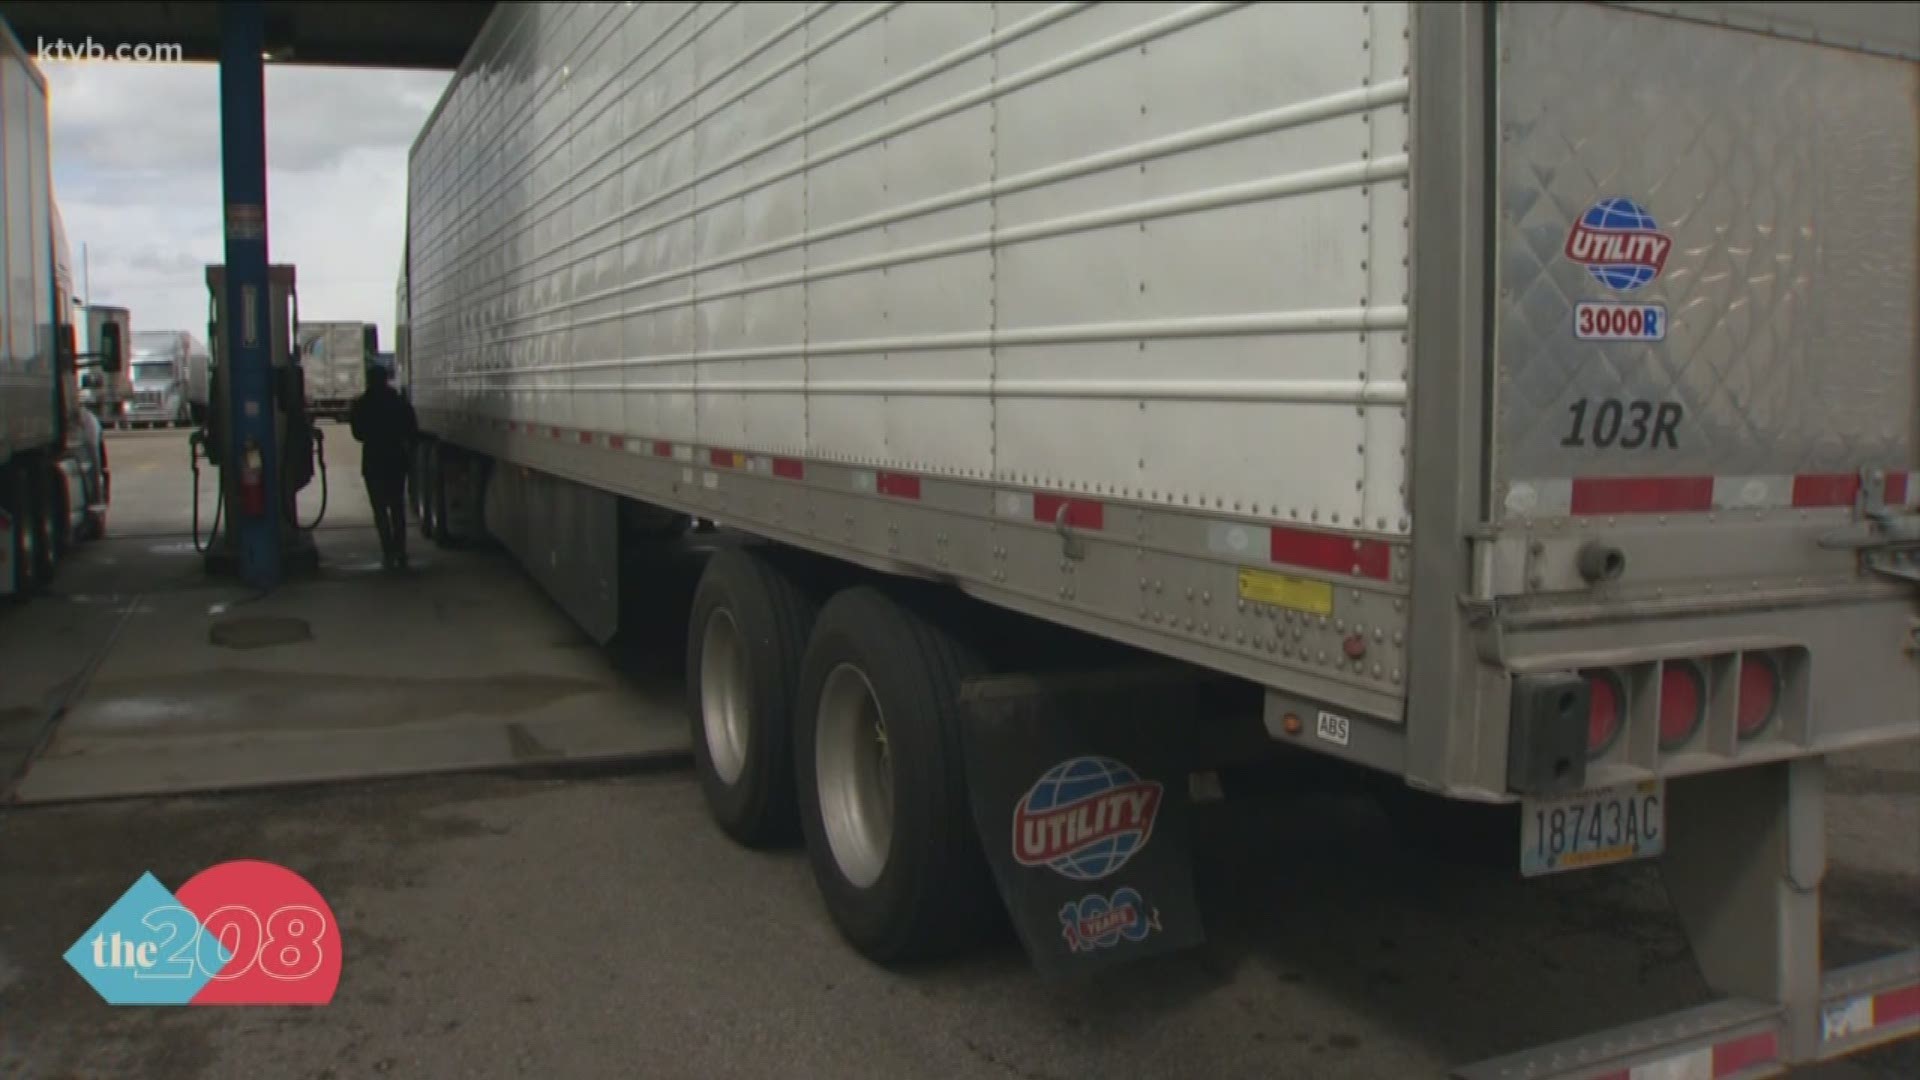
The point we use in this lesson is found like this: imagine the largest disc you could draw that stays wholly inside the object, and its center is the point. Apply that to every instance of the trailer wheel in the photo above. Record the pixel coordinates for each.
(15, 494)
(451, 466)
(748, 629)
(429, 488)
(883, 793)
(61, 536)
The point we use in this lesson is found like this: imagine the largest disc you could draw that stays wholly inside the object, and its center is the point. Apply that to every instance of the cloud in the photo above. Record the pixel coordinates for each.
(137, 171)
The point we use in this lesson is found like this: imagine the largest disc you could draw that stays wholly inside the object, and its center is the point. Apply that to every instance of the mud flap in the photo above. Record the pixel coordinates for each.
(1079, 789)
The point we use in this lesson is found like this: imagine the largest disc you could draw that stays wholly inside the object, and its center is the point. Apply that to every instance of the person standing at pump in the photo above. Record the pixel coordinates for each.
(384, 424)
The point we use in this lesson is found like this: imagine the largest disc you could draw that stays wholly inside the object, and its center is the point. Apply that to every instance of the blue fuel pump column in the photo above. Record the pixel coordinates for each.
(250, 423)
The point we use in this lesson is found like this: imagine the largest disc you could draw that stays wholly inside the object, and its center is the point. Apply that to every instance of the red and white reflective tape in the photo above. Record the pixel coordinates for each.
(1603, 496)
(1863, 1015)
(1051, 509)
(1305, 549)
(1735, 1059)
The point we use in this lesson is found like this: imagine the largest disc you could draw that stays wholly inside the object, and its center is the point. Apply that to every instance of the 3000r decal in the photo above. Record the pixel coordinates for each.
(1625, 425)
(1601, 321)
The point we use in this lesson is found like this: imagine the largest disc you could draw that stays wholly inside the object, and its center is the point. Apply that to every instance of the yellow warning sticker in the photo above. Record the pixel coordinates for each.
(1297, 594)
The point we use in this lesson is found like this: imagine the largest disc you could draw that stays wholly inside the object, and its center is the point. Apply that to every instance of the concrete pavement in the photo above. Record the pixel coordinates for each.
(168, 681)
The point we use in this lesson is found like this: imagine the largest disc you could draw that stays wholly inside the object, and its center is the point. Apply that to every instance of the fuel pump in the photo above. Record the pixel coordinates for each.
(246, 489)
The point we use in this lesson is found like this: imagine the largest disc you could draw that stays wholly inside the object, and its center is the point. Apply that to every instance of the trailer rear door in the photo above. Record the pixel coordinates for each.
(1707, 267)
(1707, 259)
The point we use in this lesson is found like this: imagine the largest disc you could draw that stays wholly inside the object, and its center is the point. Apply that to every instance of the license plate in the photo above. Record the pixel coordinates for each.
(1593, 828)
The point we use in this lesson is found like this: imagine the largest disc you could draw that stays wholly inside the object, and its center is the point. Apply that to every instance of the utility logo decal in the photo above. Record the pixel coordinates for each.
(240, 933)
(1085, 818)
(1101, 922)
(1619, 243)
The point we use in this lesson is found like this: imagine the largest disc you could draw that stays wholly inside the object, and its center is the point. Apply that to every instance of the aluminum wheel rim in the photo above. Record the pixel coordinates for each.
(30, 534)
(724, 696)
(853, 766)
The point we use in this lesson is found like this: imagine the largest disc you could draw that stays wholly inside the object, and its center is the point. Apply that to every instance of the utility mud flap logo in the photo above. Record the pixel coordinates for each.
(1101, 922)
(1084, 818)
(1619, 243)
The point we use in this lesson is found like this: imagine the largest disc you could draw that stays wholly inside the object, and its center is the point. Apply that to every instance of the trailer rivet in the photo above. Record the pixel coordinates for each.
(1206, 597)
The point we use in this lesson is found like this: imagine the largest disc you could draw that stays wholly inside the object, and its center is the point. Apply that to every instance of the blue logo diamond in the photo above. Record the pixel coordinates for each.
(145, 950)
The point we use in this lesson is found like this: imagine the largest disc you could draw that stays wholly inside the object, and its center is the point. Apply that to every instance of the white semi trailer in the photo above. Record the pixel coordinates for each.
(1517, 400)
(54, 479)
(334, 357)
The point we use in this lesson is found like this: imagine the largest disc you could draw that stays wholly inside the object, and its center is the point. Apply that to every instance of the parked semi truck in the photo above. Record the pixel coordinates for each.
(106, 394)
(54, 483)
(163, 365)
(334, 357)
(1513, 401)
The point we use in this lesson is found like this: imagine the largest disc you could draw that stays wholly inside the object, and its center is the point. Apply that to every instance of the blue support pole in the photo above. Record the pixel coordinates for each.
(248, 347)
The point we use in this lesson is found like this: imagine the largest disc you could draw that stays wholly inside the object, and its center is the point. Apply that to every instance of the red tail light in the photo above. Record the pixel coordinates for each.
(1759, 694)
(1606, 712)
(1683, 703)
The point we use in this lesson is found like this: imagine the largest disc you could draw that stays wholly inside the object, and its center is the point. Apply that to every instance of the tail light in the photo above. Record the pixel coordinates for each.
(1759, 694)
(1606, 712)
(1683, 703)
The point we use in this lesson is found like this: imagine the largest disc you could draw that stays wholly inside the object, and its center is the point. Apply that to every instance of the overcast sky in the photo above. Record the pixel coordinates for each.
(136, 152)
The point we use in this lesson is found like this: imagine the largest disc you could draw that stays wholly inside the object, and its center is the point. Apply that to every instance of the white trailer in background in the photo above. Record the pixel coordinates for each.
(334, 357)
(1515, 400)
(53, 469)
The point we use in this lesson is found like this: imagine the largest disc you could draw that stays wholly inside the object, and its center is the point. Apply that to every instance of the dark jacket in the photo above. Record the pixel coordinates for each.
(384, 423)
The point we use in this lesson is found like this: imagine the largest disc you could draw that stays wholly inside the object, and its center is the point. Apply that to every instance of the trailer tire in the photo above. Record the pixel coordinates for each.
(747, 632)
(59, 518)
(429, 491)
(445, 534)
(47, 529)
(883, 793)
(16, 497)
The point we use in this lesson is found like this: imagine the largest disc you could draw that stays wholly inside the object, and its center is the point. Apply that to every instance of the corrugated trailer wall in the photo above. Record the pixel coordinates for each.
(26, 302)
(1153, 256)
